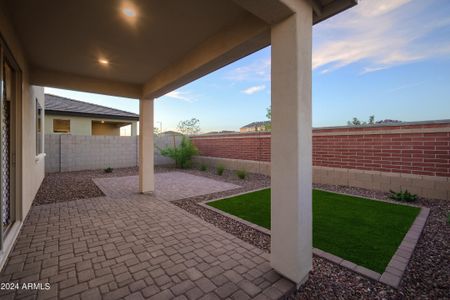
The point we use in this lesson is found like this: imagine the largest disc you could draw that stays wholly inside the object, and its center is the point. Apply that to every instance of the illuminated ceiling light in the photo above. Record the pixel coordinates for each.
(129, 11)
(103, 61)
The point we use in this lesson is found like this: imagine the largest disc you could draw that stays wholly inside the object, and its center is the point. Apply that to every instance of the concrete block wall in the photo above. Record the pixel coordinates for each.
(66, 152)
(97, 152)
(252, 166)
(52, 150)
(435, 187)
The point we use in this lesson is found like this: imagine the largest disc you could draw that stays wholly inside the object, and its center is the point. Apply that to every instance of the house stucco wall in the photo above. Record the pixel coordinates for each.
(29, 166)
(105, 129)
(83, 125)
(78, 125)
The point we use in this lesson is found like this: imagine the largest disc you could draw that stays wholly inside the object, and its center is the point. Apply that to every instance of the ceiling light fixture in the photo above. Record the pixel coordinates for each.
(103, 61)
(129, 11)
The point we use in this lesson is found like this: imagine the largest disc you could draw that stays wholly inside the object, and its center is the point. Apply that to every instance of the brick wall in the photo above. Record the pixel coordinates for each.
(421, 148)
(248, 146)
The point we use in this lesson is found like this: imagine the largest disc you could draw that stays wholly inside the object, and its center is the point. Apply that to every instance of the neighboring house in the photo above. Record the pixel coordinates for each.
(68, 116)
(223, 132)
(256, 126)
(170, 132)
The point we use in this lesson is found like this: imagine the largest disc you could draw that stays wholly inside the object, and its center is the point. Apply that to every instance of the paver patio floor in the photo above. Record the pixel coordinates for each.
(168, 186)
(134, 247)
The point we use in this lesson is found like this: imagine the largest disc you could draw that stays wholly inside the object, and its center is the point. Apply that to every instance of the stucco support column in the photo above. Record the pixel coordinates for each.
(146, 148)
(291, 229)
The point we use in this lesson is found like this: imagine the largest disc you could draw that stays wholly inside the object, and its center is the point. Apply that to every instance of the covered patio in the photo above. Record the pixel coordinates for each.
(137, 246)
(145, 49)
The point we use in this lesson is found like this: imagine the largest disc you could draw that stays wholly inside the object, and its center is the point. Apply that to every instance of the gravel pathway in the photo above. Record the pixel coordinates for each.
(427, 275)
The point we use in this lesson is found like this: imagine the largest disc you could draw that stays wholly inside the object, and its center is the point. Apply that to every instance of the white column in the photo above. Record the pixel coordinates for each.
(291, 230)
(146, 148)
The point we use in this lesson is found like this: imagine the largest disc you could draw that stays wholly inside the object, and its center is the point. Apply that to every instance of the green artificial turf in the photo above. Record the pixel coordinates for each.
(360, 230)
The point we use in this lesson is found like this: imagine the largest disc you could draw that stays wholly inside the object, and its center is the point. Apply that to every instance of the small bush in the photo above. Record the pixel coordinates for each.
(108, 170)
(403, 196)
(241, 174)
(220, 170)
(182, 154)
(186, 165)
(203, 167)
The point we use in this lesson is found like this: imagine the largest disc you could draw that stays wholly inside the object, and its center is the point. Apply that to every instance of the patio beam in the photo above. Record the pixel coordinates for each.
(332, 9)
(82, 83)
(274, 11)
(271, 11)
(244, 37)
(146, 147)
(291, 211)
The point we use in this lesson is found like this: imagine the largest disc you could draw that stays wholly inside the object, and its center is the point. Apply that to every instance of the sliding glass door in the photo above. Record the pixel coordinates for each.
(8, 89)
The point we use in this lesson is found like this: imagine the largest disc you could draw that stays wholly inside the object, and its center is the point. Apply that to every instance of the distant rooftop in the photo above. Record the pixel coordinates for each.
(57, 105)
(256, 124)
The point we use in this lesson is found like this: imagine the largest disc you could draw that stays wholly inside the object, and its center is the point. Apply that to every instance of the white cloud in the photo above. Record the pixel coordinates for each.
(180, 95)
(380, 34)
(254, 89)
(256, 71)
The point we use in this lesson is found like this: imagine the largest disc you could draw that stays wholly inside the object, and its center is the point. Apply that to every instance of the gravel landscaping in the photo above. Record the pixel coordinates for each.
(427, 275)
(244, 232)
(67, 186)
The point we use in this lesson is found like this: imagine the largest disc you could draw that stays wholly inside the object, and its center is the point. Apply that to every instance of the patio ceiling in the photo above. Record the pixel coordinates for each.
(143, 48)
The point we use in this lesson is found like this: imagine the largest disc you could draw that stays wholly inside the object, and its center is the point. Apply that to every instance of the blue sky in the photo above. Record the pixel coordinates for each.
(389, 58)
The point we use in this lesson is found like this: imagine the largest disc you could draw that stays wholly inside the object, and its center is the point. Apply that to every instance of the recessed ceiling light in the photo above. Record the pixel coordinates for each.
(103, 61)
(129, 11)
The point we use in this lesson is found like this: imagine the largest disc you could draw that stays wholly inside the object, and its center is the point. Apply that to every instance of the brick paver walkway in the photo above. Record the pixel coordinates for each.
(134, 248)
(168, 186)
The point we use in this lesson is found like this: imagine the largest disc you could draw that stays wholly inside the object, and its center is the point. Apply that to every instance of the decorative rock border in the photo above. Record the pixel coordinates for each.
(393, 273)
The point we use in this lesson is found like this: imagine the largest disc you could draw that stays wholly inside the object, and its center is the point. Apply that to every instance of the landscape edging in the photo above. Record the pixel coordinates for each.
(394, 271)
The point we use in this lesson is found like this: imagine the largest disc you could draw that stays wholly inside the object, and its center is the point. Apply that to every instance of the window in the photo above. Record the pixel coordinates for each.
(61, 126)
(39, 133)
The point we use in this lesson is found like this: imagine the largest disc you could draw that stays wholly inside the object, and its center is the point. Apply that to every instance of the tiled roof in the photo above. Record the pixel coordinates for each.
(256, 124)
(65, 106)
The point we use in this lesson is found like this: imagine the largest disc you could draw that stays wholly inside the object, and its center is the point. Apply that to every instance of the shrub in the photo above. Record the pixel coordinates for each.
(182, 154)
(108, 170)
(220, 169)
(403, 196)
(203, 167)
(241, 174)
